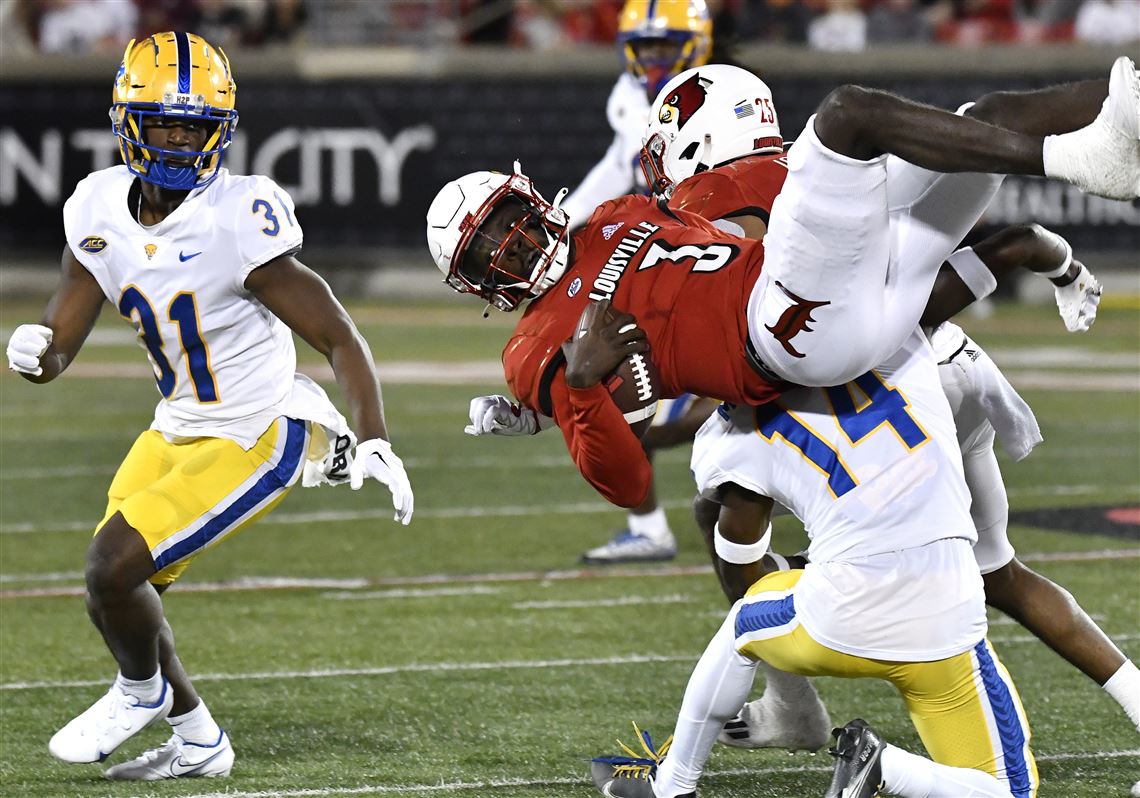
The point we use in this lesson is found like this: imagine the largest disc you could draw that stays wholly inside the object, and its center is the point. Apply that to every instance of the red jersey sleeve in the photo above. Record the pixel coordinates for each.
(604, 449)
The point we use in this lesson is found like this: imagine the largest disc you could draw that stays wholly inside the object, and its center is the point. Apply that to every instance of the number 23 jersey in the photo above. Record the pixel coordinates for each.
(223, 363)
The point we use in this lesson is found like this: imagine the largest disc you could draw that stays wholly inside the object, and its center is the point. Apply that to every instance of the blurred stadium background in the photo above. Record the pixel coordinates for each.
(363, 108)
(467, 655)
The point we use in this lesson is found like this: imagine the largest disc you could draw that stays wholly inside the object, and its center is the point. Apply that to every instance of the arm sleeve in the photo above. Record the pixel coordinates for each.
(606, 452)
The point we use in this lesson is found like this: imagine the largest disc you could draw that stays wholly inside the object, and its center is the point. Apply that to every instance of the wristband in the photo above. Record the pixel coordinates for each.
(974, 273)
(740, 553)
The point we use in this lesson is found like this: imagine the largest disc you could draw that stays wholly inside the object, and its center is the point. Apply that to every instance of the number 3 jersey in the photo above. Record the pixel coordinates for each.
(223, 362)
(687, 285)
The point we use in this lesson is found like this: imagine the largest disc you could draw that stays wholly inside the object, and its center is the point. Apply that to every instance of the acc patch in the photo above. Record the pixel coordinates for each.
(575, 286)
(93, 244)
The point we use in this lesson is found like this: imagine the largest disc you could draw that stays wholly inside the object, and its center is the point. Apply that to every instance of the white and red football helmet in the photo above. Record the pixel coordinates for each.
(705, 117)
(472, 257)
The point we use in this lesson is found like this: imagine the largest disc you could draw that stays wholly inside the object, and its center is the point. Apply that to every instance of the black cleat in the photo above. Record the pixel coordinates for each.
(858, 772)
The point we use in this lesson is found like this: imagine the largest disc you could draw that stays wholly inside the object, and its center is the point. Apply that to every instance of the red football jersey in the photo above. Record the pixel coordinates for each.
(686, 283)
(745, 187)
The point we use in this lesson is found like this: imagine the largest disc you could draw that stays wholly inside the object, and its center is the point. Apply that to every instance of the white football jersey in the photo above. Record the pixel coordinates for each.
(873, 470)
(223, 363)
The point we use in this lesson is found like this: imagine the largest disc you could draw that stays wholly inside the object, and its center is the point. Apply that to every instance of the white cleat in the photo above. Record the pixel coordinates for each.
(107, 724)
(1077, 302)
(1103, 158)
(1119, 119)
(765, 723)
(178, 759)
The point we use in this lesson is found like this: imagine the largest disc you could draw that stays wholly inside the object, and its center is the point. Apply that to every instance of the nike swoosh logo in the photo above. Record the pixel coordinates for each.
(185, 258)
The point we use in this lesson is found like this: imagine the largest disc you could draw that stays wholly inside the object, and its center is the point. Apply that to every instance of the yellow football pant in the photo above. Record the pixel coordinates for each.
(185, 497)
(965, 708)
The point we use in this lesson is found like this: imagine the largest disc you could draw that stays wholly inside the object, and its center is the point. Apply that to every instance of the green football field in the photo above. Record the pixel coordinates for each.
(469, 654)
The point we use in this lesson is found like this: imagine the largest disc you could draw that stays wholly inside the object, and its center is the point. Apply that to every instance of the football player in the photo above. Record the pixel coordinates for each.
(728, 177)
(658, 39)
(821, 302)
(892, 589)
(202, 264)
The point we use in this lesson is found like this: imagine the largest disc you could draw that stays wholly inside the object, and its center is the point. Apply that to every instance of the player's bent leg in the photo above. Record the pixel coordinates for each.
(813, 311)
(969, 715)
(715, 692)
(1052, 614)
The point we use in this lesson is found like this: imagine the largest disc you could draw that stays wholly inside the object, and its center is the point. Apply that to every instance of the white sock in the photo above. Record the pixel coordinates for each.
(145, 690)
(717, 688)
(788, 689)
(653, 525)
(196, 726)
(917, 777)
(1124, 686)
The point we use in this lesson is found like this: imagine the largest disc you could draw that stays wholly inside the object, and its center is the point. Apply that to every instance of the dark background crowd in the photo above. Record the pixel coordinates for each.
(86, 26)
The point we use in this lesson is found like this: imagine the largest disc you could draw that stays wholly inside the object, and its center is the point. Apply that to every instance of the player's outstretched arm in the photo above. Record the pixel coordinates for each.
(41, 352)
(303, 300)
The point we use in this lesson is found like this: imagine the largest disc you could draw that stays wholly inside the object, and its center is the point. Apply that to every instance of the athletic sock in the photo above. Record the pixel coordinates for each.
(1124, 686)
(145, 690)
(913, 776)
(196, 726)
(653, 525)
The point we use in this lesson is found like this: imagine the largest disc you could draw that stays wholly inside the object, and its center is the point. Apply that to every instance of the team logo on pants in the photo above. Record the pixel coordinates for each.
(793, 321)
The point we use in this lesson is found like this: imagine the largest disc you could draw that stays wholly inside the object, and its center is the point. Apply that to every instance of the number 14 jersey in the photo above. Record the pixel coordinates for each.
(223, 363)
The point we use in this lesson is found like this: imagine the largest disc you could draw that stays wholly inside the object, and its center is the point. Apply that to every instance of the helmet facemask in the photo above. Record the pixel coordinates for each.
(168, 168)
(512, 248)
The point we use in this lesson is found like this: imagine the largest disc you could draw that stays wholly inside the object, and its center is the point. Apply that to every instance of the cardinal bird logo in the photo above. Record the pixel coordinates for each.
(685, 101)
(794, 320)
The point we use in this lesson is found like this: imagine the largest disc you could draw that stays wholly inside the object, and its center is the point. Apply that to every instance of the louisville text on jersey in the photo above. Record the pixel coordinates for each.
(606, 283)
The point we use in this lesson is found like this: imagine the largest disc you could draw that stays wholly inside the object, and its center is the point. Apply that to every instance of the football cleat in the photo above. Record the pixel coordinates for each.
(1077, 302)
(629, 774)
(107, 724)
(178, 759)
(628, 547)
(1106, 161)
(858, 771)
(764, 723)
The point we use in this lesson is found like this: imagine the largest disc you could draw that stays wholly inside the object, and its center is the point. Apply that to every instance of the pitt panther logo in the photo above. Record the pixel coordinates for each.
(793, 321)
(93, 244)
(685, 101)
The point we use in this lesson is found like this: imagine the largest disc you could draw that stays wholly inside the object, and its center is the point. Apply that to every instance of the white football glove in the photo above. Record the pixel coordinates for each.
(1077, 301)
(376, 459)
(498, 415)
(26, 346)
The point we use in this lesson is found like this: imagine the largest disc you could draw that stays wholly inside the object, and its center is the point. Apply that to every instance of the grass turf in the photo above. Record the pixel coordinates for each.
(467, 650)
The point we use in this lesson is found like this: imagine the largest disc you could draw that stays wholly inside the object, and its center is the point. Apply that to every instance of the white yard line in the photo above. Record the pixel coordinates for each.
(502, 511)
(412, 593)
(436, 667)
(620, 601)
(490, 784)
(450, 580)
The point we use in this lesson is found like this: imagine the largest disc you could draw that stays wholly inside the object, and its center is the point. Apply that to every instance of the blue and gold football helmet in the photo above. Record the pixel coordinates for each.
(660, 39)
(176, 75)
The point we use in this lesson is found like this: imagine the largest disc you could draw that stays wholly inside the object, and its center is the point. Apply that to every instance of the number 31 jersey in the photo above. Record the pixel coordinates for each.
(223, 362)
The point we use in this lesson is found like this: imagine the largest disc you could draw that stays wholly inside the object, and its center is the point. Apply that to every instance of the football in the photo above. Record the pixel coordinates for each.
(633, 385)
